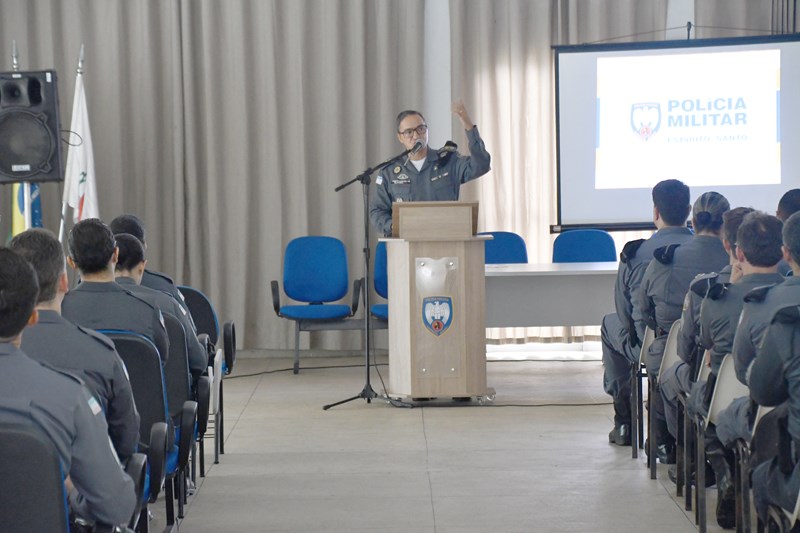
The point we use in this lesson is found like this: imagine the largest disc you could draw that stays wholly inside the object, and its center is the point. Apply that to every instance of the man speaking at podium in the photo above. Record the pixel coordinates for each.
(425, 174)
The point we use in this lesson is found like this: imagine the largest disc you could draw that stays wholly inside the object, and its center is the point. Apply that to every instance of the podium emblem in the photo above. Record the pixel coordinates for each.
(437, 313)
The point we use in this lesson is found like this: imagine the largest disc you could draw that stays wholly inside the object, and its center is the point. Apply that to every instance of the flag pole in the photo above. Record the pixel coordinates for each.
(64, 200)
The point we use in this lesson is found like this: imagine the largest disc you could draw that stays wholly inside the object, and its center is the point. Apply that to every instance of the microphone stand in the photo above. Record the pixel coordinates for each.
(367, 393)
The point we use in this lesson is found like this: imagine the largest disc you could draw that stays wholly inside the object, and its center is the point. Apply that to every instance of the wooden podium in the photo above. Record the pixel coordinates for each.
(437, 336)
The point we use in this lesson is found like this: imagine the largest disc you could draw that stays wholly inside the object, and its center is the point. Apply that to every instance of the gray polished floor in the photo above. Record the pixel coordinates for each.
(535, 459)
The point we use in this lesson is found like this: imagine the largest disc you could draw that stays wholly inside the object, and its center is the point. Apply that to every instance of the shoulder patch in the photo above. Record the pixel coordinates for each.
(94, 406)
(99, 337)
(702, 283)
(787, 315)
(629, 250)
(758, 294)
(665, 254)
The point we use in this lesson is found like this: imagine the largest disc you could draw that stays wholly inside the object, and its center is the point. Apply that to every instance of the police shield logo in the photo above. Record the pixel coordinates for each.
(645, 119)
(437, 313)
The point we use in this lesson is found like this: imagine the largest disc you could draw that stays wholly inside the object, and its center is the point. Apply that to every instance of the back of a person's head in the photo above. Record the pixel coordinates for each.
(128, 223)
(789, 204)
(19, 290)
(708, 211)
(791, 236)
(42, 250)
(759, 239)
(671, 198)
(131, 251)
(731, 221)
(91, 245)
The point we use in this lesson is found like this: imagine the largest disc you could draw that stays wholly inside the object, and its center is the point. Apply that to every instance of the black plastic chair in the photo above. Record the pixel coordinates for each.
(34, 498)
(143, 364)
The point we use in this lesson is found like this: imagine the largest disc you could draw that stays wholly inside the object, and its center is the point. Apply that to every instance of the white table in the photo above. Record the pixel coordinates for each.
(549, 294)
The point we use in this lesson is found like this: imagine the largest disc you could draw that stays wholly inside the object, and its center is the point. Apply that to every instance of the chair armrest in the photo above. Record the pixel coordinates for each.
(229, 345)
(137, 470)
(205, 341)
(276, 297)
(203, 397)
(188, 418)
(157, 458)
(357, 284)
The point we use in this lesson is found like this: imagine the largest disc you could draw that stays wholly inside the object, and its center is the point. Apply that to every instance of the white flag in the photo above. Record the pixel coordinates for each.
(80, 188)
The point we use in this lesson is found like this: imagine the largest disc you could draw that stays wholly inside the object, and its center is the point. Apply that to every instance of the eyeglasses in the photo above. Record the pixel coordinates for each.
(421, 129)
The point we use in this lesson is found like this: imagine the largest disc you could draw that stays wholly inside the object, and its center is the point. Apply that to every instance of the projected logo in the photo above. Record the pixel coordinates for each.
(645, 119)
(437, 313)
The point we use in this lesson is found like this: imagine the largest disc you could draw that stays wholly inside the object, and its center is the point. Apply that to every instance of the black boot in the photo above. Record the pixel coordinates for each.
(720, 461)
(621, 434)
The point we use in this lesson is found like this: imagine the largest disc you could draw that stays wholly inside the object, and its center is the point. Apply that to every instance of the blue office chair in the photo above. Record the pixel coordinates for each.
(584, 246)
(505, 247)
(381, 279)
(314, 272)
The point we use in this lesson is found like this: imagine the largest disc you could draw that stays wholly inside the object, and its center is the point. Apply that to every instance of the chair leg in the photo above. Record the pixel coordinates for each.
(700, 476)
(640, 407)
(296, 347)
(221, 409)
(680, 453)
(169, 502)
(635, 400)
(652, 390)
(202, 453)
(689, 447)
(216, 437)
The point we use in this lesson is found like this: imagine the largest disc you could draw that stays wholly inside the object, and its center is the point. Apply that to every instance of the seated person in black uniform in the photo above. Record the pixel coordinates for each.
(59, 405)
(98, 302)
(159, 281)
(128, 273)
(83, 352)
(788, 205)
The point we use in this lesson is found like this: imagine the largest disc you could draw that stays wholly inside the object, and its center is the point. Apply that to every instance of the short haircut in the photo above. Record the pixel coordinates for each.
(129, 223)
(708, 210)
(131, 251)
(789, 204)
(404, 114)
(671, 198)
(91, 245)
(19, 290)
(759, 239)
(42, 250)
(791, 236)
(731, 221)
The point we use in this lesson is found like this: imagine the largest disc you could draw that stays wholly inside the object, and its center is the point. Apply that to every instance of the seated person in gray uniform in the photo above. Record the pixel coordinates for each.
(128, 273)
(788, 205)
(678, 379)
(774, 380)
(59, 405)
(665, 284)
(83, 352)
(426, 174)
(99, 302)
(620, 334)
(758, 249)
(760, 305)
(159, 281)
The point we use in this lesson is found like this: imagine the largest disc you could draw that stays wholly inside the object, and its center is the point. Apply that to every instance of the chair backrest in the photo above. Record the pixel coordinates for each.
(584, 246)
(649, 337)
(315, 269)
(727, 389)
(671, 348)
(176, 371)
(704, 371)
(505, 247)
(205, 319)
(143, 364)
(380, 273)
(33, 492)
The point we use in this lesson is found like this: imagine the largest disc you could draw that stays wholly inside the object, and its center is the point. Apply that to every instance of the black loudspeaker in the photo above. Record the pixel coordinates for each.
(30, 146)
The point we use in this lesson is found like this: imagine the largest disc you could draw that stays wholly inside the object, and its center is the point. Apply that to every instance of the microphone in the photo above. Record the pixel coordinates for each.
(417, 147)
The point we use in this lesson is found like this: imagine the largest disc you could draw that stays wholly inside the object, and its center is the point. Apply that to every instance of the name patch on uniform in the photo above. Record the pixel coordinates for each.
(440, 176)
(402, 179)
(437, 313)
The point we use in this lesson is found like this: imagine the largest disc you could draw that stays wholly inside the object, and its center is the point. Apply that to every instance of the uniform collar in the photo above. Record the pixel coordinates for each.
(6, 348)
(47, 316)
(762, 278)
(125, 280)
(98, 286)
(674, 230)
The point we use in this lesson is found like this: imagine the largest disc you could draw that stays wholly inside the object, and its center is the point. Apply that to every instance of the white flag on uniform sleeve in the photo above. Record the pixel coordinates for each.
(80, 188)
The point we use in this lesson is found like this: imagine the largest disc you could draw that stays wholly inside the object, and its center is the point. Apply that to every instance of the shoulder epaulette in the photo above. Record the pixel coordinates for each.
(629, 250)
(665, 254)
(99, 337)
(140, 298)
(702, 283)
(787, 315)
(63, 372)
(758, 294)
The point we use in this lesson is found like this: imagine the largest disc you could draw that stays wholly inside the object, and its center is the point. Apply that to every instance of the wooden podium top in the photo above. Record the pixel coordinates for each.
(439, 220)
